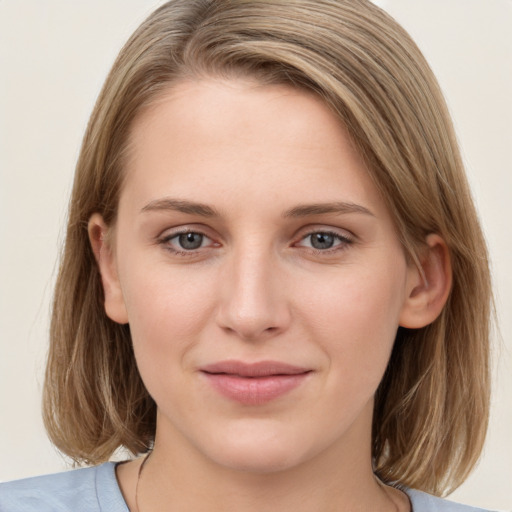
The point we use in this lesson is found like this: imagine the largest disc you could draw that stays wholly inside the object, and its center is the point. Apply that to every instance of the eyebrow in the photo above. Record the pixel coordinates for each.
(305, 210)
(180, 205)
(324, 208)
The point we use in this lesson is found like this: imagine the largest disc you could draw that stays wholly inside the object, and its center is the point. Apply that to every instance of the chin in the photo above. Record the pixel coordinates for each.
(259, 461)
(262, 452)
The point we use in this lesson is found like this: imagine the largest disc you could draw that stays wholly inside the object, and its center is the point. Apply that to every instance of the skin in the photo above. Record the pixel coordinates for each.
(256, 289)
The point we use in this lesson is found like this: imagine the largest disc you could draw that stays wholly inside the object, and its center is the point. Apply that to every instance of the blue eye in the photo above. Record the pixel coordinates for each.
(324, 240)
(185, 242)
(190, 241)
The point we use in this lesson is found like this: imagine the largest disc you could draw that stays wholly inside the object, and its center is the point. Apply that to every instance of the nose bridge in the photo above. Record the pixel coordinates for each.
(253, 301)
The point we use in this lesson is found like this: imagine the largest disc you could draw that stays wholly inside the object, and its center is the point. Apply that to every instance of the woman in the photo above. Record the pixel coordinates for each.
(265, 280)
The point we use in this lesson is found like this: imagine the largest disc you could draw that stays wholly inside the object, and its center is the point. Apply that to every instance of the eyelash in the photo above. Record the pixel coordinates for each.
(165, 242)
(343, 242)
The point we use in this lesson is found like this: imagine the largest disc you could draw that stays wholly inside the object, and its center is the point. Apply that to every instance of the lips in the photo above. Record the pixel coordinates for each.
(254, 383)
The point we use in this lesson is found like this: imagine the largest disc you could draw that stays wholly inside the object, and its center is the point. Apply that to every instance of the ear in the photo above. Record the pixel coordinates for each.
(105, 258)
(428, 287)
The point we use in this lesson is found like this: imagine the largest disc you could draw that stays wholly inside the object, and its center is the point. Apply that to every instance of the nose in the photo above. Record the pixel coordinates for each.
(254, 305)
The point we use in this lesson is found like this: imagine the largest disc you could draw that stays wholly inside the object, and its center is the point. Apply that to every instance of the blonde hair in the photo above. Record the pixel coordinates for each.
(431, 409)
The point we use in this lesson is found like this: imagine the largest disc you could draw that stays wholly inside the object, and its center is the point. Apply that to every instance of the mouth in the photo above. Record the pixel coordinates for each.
(254, 383)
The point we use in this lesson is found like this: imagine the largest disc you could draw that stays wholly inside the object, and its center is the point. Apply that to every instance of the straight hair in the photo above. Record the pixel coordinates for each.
(431, 408)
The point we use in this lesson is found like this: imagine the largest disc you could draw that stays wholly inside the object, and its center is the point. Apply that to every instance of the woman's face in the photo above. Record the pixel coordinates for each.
(260, 273)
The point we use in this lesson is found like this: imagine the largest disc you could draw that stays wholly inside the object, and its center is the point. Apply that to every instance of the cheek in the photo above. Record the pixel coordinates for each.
(354, 319)
(167, 311)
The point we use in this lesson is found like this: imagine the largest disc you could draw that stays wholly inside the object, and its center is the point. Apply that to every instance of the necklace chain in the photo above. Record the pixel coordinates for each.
(139, 475)
(141, 468)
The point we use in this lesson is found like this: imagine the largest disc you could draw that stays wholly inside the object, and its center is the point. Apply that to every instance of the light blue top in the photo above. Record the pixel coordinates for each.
(96, 490)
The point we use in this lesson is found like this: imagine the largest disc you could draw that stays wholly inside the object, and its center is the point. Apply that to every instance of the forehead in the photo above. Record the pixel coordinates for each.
(209, 138)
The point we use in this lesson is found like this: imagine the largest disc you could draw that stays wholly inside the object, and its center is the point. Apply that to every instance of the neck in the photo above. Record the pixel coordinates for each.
(178, 477)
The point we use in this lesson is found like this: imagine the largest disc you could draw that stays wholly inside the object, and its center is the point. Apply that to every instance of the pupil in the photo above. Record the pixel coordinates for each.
(322, 240)
(191, 241)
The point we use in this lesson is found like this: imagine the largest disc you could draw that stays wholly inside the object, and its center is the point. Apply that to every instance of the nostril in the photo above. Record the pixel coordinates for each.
(251, 307)
(251, 332)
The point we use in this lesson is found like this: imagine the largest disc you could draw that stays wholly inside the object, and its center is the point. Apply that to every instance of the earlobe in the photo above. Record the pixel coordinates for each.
(102, 248)
(428, 287)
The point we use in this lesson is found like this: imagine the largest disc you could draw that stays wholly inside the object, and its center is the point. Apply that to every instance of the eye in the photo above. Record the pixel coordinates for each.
(324, 240)
(188, 241)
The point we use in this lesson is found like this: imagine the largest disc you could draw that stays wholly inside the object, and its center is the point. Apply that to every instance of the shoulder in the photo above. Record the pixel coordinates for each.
(423, 502)
(92, 489)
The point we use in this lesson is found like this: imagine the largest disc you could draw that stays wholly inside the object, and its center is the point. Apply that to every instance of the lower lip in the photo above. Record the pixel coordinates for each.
(254, 390)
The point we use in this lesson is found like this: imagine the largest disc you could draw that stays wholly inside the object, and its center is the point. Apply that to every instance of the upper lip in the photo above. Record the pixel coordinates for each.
(258, 369)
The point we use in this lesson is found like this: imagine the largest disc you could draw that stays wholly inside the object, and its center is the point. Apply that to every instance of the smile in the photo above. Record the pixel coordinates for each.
(256, 383)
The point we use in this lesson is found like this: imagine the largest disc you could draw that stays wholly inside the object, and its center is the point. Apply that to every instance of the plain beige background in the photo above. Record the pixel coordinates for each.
(54, 56)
